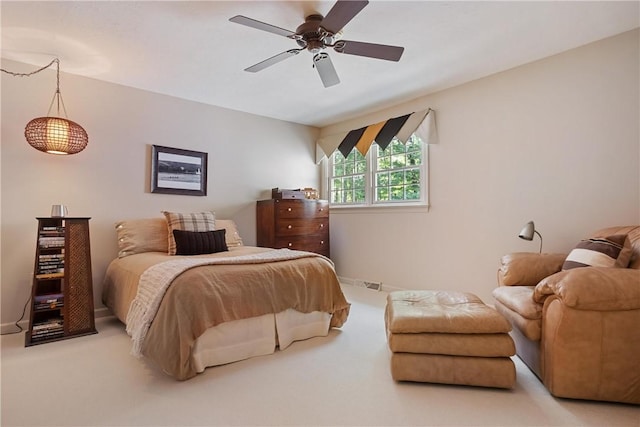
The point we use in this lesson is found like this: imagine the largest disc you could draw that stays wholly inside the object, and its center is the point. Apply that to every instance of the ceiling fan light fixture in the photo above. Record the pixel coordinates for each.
(319, 32)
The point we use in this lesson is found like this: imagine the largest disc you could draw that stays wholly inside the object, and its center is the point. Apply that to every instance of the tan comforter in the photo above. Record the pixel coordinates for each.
(206, 296)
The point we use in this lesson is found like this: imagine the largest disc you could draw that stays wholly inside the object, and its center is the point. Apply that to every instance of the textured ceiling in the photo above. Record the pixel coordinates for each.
(190, 50)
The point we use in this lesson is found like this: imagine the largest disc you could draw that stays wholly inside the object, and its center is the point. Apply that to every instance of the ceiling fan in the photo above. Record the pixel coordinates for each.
(320, 32)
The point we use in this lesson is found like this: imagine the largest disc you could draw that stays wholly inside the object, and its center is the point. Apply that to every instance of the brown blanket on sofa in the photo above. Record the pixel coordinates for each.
(206, 296)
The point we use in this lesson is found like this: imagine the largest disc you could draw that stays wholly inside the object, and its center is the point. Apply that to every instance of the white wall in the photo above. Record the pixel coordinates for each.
(109, 180)
(555, 141)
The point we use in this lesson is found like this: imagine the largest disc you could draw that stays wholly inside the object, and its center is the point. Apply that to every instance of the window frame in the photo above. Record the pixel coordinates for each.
(370, 174)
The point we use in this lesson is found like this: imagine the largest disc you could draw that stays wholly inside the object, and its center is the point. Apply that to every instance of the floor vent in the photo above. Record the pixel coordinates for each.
(376, 286)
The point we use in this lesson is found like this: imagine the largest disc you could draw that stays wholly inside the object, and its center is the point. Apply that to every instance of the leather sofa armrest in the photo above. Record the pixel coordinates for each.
(528, 268)
(593, 288)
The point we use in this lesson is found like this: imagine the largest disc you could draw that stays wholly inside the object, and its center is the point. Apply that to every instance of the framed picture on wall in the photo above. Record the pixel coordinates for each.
(178, 171)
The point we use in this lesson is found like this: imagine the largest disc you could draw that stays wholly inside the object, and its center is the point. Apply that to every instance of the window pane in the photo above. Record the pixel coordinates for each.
(360, 195)
(412, 176)
(382, 179)
(397, 192)
(361, 167)
(382, 194)
(336, 197)
(348, 196)
(358, 182)
(413, 192)
(398, 161)
(397, 178)
(337, 183)
(348, 168)
(414, 158)
(384, 163)
(397, 146)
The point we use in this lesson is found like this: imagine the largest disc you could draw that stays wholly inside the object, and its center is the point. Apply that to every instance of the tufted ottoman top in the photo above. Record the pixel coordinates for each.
(441, 312)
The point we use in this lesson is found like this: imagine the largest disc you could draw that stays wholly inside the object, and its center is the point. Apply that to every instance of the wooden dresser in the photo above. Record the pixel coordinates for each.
(294, 224)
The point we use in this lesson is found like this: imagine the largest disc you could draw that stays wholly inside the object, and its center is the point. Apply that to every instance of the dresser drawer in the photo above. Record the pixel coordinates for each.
(316, 244)
(295, 226)
(301, 209)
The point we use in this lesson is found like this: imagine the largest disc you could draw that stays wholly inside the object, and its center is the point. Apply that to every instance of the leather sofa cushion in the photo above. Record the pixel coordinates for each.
(519, 299)
(593, 288)
(528, 268)
(530, 328)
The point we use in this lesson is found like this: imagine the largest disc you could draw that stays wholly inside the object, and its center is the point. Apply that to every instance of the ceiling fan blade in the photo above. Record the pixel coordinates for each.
(371, 50)
(341, 13)
(273, 60)
(243, 20)
(326, 70)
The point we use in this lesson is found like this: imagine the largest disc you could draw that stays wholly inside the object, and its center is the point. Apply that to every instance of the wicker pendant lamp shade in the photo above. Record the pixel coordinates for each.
(54, 134)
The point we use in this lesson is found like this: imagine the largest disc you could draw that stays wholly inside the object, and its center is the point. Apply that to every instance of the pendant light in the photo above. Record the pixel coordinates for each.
(54, 134)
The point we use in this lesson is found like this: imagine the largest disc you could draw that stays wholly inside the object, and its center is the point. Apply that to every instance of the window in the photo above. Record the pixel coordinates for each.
(396, 176)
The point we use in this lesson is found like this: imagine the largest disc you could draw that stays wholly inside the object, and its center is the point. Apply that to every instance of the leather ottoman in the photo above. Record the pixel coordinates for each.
(448, 337)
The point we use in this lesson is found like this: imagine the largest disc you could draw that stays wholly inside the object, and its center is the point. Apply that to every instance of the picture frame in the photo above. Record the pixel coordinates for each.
(178, 171)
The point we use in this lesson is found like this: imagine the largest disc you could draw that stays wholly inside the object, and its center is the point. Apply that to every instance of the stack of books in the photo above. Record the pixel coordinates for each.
(50, 263)
(48, 329)
(51, 301)
(51, 237)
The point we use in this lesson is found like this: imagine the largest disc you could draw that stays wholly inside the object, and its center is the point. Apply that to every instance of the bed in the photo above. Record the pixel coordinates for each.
(189, 312)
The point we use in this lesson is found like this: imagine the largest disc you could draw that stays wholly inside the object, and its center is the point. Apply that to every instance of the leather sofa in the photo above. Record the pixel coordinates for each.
(577, 329)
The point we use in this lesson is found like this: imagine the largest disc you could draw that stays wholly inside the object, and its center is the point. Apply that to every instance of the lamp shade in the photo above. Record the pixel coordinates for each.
(56, 135)
(527, 231)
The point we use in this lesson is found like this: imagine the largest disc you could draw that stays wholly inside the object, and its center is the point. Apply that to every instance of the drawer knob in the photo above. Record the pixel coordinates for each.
(321, 225)
(322, 242)
(288, 209)
(321, 209)
(290, 244)
(289, 226)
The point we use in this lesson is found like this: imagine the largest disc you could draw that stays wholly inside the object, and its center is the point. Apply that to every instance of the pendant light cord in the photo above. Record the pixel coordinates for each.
(55, 61)
(57, 96)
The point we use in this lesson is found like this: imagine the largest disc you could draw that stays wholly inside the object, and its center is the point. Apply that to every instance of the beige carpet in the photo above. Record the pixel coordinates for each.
(339, 380)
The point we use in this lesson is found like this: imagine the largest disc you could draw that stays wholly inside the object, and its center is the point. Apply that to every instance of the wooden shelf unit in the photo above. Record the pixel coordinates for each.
(62, 290)
(294, 224)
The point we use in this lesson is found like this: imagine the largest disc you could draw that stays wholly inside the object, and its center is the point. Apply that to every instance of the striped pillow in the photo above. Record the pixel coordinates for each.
(612, 251)
(200, 221)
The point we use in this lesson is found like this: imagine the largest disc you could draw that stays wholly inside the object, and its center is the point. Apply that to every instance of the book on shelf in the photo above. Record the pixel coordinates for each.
(50, 275)
(53, 228)
(51, 257)
(51, 325)
(51, 242)
(47, 302)
(48, 335)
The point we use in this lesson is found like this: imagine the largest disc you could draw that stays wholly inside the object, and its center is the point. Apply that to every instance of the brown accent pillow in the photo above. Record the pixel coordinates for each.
(199, 221)
(199, 242)
(611, 251)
